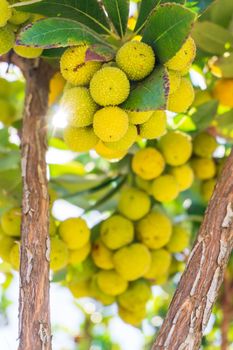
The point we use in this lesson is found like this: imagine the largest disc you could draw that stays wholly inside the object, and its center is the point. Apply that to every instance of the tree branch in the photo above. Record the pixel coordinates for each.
(227, 309)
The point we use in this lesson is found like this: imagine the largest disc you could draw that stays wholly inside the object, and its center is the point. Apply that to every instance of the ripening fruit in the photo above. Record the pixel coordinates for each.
(99, 295)
(11, 221)
(74, 232)
(74, 68)
(174, 80)
(80, 289)
(136, 59)
(28, 52)
(134, 203)
(184, 57)
(59, 254)
(133, 318)
(223, 91)
(105, 152)
(154, 230)
(176, 147)
(110, 123)
(132, 261)
(143, 184)
(184, 176)
(19, 17)
(80, 139)
(116, 232)
(165, 188)
(204, 168)
(160, 264)
(79, 255)
(109, 86)
(139, 117)
(136, 296)
(179, 239)
(6, 244)
(204, 145)
(7, 39)
(111, 283)
(101, 255)
(56, 87)
(148, 163)
(5, 14)
(126, 141)
(207, 189)
(154, 127)
(15, 256)
(182, 98)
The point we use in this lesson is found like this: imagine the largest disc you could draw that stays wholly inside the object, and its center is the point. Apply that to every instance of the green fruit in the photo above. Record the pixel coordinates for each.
(136, 296)
(204, 168)
(11, 222)
(179, 239)
(6, 244)
(59, 254)
(5, 14)
(204, 145)
(7, 39)
(15, 256)
(28, 52)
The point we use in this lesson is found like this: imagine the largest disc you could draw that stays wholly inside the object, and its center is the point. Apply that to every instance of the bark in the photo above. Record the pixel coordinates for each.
(227, 309)
(192, 303)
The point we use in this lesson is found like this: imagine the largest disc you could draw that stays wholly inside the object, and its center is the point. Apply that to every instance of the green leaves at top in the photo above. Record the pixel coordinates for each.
(150, 94)
(118, 12)
(167, 29)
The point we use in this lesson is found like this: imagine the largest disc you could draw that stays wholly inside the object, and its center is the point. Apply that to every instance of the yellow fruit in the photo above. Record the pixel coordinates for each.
(79, 255)
(204, 145)
(28, 52)
(11, 221)
(116, 232)
(7, 39)
(59, 254)
(6, 13)
(83, 272)
(126, 141)
(148, 163)
(136, 296)
(133, 318)
(6, 244)
(80, 289)
(143, 184)
(74, 68)
(79, 106)
(207, 189)
(165, 188)
(134, 203)
(19, 17)
(80, 139)
(184, 176)
(184, 57)
(223, 91)
(179, 239)
(139, 117)
(111, 283)
(132, 261)
(174, 80)
(101, 255)
(201, 97)
(176, 147)
(154, 127)
(7, 114)
(5, 86)
(75, 233)
(182, 98)
(109, 86)
(15, 256)
(160, 264)
(136, 59)
(56, 87)
(154, 230)
(103, 151)
(52, 226)
(110, 123)
(104, 298)
(204, 168)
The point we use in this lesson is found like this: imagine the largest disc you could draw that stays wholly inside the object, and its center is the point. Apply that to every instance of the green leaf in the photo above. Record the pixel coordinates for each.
(224, 123)
(87, 12)
(219, 12)
(100, 53)
(204, 115)
(212, 38)
(118, 12)
(167, 29)
(150, 94)
(224, 66)
(57, 32)
(9, 160)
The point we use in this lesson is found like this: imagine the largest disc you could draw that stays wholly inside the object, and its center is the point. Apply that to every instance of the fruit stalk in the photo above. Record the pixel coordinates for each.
(192, 303)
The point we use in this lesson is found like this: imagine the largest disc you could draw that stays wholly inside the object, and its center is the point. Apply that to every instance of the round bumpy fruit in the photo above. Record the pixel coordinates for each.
(110, 123)
(75, 233)
(204, 145)
(136, 296)
(126, 141)
(15, 256)
(74, 68)
(165, 188)
(184, 57)
(116, 232)
(11, 221)
(161, 262)
(184, 176)
(207, 189)
(5, 12)
(182, 98)
(28, 52)
(174, 80)
(109, 86)
(223, 91)
(80, 139)
(103, 151)
(148, 163)
(59, 254)
(7, 39)
(133, 318)
(136, 59)
(204, 168)
(79, 255)
(154, 127)
(139, 117)
(154, 230)
(176, 147)
(111, 283)
(132, 261)
(101, 255)
(134, 203)
(179, 239)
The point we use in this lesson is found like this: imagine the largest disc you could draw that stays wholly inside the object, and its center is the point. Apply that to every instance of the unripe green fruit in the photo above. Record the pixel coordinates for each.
(28, 52)
(11, 221)
(204, 168)
(19, 17)
(5, 14)
(204, 145)
(133, 318)
(207, 189)
(7, 39)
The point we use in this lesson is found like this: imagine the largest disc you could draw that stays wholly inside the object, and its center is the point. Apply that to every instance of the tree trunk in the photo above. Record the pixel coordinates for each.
(192, 303)
(34, 310)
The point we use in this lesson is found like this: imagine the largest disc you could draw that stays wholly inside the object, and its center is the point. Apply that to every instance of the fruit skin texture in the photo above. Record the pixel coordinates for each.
(179, 239)
(6, 244)
(204, 168)
(59, 254)
(103, 151)
(134, 203)
(139, 117)
(79, 255)
(132, 261)
(207, 189)
(148, 163)
(11, 221)
(74, 68)
(109, 86)
(223, 91)
(101, 255)
(184, 176)
(165, 188)
(116, 232)
(136, 296)
(111, 283)
(7, 39)
(28, 52)
(184, 57)
(174, 80)
(110, 123)
(5, 12)
(176, 147)
(182, 98)
(154, 230)
(136, 59)
(204, 145)
(133, 318)
(15, 256)
(75, 233)
(126, 141)
(79, 106)
(80, 139)
(160, 264)
(155, 126)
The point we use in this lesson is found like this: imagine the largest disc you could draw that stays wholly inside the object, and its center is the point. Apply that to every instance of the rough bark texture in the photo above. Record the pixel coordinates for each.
(226, 303)
(192, 303)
